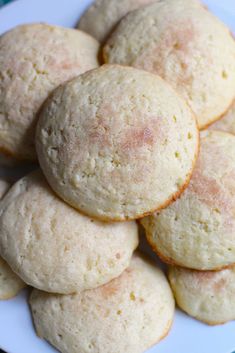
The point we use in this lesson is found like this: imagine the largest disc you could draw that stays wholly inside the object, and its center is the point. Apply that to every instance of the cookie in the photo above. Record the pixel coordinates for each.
(35, 59)
(4, 186)
(103, 15)
(206, 295)
(180, 40)
(117, 143)
(10, 283)
(198, 230)
(227, 122)
(54, 248)
(129, 314)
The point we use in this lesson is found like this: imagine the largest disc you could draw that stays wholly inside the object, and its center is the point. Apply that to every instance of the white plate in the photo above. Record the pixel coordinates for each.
(16, 331)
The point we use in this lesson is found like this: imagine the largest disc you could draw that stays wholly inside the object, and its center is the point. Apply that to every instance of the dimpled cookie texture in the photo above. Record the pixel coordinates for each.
(198, 230)
(10, 283)
(103, 15)
(180, 40)
(35, 59)
(208, 296)
(227, 123)
(54, 248)
(117, 143)
(129, 314)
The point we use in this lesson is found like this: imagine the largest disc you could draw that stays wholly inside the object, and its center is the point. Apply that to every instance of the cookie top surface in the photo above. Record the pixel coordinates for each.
(208, 296)
(103, 15)
(198, 230)
(129, 314)
(35, 59)
(180, 40)
(227, 122)
(10, 283)
(117, 142)
(54, 248)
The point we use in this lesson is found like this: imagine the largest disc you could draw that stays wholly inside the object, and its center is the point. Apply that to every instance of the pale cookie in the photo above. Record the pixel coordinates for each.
(208, 296)
(103, 15)
(198, 230)
(227, 123)
(117, 143)
(35, 59)
(54, 248)
(4, 186)
(129, 314)
(186, 45)
(10, 283)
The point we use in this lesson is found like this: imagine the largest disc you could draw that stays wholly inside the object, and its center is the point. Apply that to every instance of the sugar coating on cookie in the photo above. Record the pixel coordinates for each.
(227, 122)
(54, 248)
(198, 230)
(117, 143)
(186, 45)
(35, 59)
(208, 296)
(129, 314)
(10, 283)
(103, 15)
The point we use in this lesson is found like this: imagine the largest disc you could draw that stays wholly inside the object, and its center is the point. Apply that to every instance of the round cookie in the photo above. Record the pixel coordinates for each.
(208, 296)
(227, 123)
(10, 283)
(54, 248)
(180, 40)
(35, 59)
(198, 230)
(103, 15)
(109, 138)
(129, 314)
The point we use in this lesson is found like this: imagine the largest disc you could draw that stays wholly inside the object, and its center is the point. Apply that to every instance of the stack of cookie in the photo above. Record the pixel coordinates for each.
(118, 143)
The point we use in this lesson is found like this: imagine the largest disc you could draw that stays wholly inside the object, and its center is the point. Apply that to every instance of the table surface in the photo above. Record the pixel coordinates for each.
(3, 2)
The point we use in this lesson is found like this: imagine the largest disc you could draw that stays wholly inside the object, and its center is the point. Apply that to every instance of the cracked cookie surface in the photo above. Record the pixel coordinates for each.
(117, 143)
(10, 283)
(35, 59)
(53, 247)
(129, 314)
(198, 230)
(186, 45)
